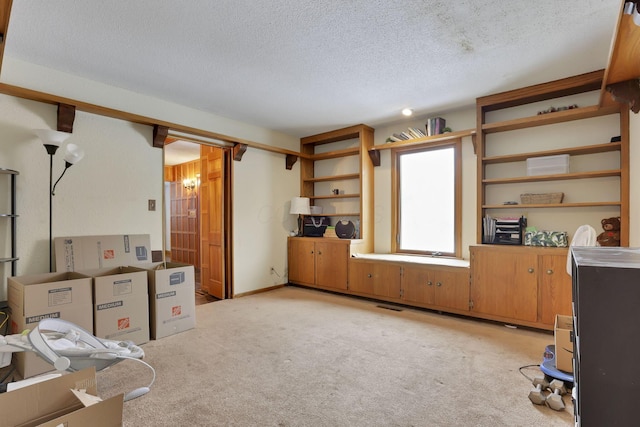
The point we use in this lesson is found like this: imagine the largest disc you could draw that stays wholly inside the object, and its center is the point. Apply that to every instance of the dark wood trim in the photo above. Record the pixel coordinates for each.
(159, 135)
(290, 161)
(375, 157)
(259, 291)
(47, 98)
(238, 151)
(66, 117)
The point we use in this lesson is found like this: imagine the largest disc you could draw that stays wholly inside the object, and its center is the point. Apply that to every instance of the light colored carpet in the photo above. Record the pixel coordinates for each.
(300, 357)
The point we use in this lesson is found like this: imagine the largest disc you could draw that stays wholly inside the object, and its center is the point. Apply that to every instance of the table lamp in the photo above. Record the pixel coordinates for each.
(300, 206)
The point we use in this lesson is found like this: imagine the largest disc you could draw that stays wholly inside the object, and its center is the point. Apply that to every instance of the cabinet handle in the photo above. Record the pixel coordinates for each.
(369, 275)
(438, 283)
(549, 271)
(311, 252)
(429, 283)
(319, 252)
(530, 270)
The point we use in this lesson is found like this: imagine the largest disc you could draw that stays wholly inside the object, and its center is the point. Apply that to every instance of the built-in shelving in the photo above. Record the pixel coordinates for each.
(337, 161)
(495, 186)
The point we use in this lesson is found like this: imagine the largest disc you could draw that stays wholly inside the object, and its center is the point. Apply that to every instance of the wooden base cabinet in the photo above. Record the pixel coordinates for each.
(429, 286)
(321, 262)
(519, 284)
(373, 278)
(438, 286)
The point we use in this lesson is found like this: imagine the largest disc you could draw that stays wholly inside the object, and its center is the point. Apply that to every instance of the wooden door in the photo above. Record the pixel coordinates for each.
(212, 216)
(332, 261)
(452, 289)
(555, 288)
(505, 283)
(418, 285)
(301, 261)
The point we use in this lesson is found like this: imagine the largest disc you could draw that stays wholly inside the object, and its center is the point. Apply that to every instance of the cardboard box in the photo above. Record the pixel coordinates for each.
(52, 403)
(171, 298)
(120, 304)
(66, 296)
(563, 332)
(97, 252)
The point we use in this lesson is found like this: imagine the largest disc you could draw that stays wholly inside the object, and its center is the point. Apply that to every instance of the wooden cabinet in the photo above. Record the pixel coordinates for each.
(520, 285)
(320, 262)
(554, 287)
(336, 173)
(513, 127)
(372, 278)
(434, 285)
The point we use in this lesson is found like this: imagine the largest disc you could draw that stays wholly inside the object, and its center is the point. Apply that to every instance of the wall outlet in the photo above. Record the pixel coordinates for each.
(152, 205)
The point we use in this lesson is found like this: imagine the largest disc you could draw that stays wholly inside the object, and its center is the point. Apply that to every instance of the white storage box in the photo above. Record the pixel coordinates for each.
(315, 210)
(548, 165)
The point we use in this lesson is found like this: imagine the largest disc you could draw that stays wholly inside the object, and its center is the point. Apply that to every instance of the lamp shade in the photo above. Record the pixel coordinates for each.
(73, 154)
(300, 206)
(52, 137)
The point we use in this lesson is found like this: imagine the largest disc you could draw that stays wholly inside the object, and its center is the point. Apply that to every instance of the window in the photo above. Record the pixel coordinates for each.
(427, 194)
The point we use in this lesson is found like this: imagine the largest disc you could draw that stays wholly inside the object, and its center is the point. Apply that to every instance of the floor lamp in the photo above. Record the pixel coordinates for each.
(52, 140)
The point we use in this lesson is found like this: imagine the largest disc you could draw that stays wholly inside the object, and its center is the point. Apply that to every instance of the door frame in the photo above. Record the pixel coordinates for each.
(227, 183)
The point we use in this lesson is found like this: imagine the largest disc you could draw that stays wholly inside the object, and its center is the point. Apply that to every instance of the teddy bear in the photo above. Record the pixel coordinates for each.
(611, 234)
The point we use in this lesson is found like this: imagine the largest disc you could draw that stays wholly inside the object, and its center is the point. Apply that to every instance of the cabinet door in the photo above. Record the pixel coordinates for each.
(301, 261)
(505, 284)
(332, 260)
(374, 278)
(418, 285)
(555, 288)
(386, 281)
(452, 289)
(361, 276)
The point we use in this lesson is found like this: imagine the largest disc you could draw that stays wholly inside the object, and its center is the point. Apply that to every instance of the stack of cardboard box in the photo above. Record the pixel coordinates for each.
(107, 286)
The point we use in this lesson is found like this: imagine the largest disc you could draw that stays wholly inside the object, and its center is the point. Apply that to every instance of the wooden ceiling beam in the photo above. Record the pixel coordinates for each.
(5, 13)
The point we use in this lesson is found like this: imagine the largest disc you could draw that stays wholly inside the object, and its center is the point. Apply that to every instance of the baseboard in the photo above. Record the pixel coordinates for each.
(258, 291)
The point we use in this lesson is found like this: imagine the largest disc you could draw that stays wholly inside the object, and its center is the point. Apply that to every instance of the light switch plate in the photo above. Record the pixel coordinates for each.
(152, 205)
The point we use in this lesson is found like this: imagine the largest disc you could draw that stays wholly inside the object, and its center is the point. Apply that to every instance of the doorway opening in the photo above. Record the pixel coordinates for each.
(197, 214)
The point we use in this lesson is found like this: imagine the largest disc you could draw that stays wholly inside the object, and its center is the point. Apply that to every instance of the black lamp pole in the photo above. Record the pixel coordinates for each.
(51, 150)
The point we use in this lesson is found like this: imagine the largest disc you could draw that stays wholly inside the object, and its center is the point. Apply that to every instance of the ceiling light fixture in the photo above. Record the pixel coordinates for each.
(407, 112)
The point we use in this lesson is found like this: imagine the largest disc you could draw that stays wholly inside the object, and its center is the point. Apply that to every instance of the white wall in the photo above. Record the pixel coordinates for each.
(262, 190)
(107, 192)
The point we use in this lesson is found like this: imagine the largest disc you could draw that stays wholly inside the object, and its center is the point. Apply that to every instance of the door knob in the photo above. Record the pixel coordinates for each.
(530, 270)
(549, 271)
(438, 283)
(429, 283)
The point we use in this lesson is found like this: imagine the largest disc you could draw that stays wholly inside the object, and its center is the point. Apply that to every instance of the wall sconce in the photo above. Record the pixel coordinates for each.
(189, 184)
(52, 140)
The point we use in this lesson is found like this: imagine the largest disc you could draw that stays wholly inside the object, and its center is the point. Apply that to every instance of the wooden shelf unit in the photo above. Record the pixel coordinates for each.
(329, 146)
(577, 85)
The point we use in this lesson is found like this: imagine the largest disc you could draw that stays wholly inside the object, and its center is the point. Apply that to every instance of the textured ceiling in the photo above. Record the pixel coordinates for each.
(306, 66)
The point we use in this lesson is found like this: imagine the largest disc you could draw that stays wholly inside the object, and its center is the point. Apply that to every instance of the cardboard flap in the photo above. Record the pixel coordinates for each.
(107, 413)
(45, 400)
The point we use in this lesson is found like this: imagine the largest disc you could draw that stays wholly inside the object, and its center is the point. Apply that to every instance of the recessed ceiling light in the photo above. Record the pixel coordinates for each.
(407, 112)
